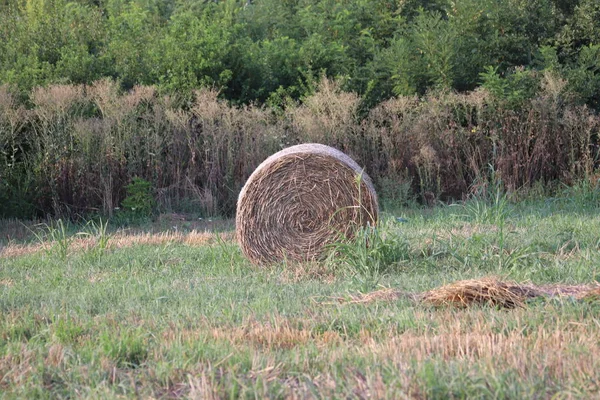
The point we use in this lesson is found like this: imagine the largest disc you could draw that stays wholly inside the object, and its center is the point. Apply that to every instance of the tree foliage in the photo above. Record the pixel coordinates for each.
(273, 50)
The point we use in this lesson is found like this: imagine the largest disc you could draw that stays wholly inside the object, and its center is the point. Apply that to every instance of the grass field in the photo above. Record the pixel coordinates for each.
(166, 312)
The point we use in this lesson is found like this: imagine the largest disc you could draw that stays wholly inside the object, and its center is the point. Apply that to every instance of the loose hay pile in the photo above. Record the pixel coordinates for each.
(492, 291)
(481, 291)
(301, 199)
(484, 291)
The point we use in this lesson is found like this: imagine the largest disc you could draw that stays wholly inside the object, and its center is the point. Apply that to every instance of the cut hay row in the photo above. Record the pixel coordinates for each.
(119, 240)
(489, 291)
(484, 291)
(301, 199)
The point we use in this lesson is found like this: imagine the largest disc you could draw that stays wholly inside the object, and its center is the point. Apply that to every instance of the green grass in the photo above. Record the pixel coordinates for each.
(179, 321)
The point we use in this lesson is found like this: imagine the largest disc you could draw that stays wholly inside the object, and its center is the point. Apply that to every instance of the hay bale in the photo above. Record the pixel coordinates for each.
(301, 199)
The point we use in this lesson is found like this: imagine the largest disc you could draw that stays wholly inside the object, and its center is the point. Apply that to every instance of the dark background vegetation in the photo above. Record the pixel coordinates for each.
(434, 98)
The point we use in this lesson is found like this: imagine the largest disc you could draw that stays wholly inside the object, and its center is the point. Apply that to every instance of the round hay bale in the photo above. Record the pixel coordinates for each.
(300, 200)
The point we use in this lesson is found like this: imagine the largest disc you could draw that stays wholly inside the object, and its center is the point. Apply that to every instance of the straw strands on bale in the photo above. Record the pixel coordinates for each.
(301, 199)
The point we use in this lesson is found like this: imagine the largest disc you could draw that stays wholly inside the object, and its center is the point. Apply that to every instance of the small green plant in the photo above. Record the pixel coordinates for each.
(227, 252)
(396, 192)
(582, 193)
(66, 330)
(514, 259)
(127, 350)
(489, 204)
(139, 201)
(57, 234)
(99, 231)
(369, 254)
(513, 88)
(494, 210)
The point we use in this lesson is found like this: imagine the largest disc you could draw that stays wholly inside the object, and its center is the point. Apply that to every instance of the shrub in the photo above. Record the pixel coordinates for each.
(139, 200)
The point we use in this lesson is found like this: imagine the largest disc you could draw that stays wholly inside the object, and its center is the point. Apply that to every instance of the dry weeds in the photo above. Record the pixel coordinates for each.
(386, 294)
(278, 333)
(17, 366)
(271, 335)
(211, 142)
(56, 100)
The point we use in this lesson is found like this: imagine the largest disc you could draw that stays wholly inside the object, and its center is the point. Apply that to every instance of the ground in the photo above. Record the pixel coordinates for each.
(173, 310)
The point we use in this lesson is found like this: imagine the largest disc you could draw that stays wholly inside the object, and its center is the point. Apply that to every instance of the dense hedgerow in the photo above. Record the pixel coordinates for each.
(74, 149)
(431, 96)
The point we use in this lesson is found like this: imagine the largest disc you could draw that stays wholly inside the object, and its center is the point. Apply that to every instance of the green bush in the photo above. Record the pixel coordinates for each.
(139, 200)
(371, 253)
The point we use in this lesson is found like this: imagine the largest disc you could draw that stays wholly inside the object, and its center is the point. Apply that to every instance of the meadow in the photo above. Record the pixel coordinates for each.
(129, 127)
(171, 309)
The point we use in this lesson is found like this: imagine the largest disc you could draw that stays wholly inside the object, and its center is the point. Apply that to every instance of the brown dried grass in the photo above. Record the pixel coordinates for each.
(590, 294)
(295, 272)
(301, 199)
(386, 294)
(56, 100)
(120, 240)
(490, 291)
(198, 154)
(7, 282)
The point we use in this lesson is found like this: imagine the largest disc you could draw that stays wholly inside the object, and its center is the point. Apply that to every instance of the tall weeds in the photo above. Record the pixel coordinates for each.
(72, 150)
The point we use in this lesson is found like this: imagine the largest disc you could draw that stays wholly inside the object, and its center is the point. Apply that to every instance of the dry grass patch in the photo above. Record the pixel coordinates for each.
(563, 349)
(492, 291)
(386, 294)
(17, 366)
(590, 294)
(121, 240)
(550, 351)
(99, 277)
(295, 272)
(477, 342)
(7, 282)
(468, 230)
(17, 250)
(278, 334)
(56, 355)
(464, 231)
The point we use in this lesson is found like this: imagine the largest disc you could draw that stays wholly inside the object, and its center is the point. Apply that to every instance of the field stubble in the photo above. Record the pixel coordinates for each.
(181, 314)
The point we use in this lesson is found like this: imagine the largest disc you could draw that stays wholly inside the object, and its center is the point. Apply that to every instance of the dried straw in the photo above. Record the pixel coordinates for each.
(300, 200)
(481, 291)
